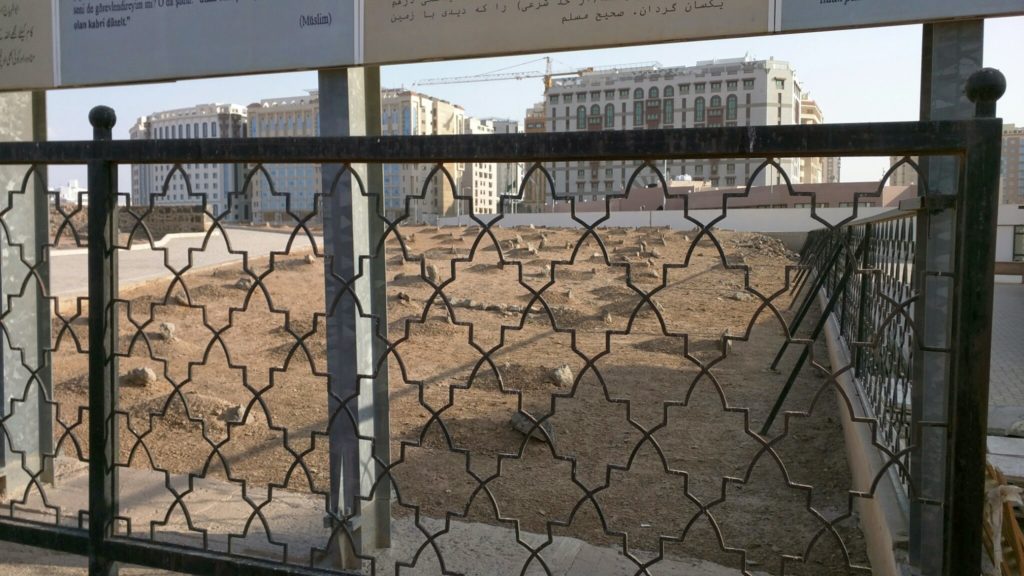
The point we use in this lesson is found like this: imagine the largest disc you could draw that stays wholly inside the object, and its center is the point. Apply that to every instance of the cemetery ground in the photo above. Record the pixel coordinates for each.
(640, 426)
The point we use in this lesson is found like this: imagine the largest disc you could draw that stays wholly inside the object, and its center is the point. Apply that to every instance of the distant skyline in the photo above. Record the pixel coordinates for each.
(866, 75)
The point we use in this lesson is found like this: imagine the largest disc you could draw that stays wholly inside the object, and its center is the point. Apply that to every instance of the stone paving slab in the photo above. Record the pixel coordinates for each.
(217, 506)
(1007, 372)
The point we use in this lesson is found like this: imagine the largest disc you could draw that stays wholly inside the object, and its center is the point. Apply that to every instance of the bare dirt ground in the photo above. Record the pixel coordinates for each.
(652, 444)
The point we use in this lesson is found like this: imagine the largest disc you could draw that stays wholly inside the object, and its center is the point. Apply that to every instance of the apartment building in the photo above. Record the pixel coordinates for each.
(1011, 170)
(812, 170)
(509, 175)
(409, 113)
(1011, 186)
(218, 186)
(479, 179)
(283, 193)
(732, 92)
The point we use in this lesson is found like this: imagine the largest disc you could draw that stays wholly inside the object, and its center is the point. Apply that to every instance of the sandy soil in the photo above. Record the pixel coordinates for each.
(658, 423)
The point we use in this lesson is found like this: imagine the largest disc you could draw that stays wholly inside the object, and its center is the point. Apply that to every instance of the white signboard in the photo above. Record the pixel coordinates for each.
(26, 44)
(800, 15)
(54, 43)
(404, 30)
(121, 41)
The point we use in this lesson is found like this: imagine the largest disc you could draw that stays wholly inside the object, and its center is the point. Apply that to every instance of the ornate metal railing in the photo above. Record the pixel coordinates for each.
(351, 392)
(866, 271)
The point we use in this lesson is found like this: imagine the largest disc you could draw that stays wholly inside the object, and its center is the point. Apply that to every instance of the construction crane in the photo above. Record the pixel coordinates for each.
(547, 75)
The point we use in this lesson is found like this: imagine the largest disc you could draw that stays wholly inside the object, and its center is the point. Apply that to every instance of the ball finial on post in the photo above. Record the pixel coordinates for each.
(102, 119)
(985, 87)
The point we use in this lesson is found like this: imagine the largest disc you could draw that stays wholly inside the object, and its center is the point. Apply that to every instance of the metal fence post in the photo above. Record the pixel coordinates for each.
(862, 309)
(950, 53)
(103, 362)
(349, 104)
(977, 211)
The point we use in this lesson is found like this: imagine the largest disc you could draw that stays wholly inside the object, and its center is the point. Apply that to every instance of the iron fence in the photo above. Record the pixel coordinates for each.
(357, 393)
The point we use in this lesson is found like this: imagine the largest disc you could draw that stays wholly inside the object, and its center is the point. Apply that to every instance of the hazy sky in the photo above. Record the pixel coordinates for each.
(856, 76)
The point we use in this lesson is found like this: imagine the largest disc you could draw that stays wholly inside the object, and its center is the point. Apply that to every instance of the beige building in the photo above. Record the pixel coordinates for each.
(812, 170)
(295, 186)
(1011, 186)
(535, 188)
(408, 113)
(905, 174)
(732, 92)
(215, 185)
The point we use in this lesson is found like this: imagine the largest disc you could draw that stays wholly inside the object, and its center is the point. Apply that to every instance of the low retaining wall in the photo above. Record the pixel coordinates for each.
(163, 220)
(883, 520)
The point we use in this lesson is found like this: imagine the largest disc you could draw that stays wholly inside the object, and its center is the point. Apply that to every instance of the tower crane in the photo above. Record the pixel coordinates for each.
(548, 75)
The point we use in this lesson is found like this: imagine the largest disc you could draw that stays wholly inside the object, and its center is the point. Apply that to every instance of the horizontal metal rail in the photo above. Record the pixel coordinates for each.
(896, 139)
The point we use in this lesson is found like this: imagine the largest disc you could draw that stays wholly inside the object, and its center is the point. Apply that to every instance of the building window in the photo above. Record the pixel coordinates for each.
(698, 170)
(730, 168)
(638, 113)
(698, 87)
(730, 107)
(623, 93)
(1018, 243)
(595, 96)
(668, 110)
(581, 96)
(581, 118)
(638, 94)
(652, 94)
(730, 181)
(553, 98)
(609, 94)
(684, 88)
(748, 83)
(609, 116)
(731, 85)
(716, 102)
(716, 86)
(780, 84)
(698, 109)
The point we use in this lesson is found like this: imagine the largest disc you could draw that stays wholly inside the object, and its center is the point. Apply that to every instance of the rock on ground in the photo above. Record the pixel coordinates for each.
(563, 376)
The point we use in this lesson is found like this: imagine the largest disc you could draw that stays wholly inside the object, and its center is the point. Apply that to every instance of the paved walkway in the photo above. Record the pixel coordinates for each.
(1007, 387)
(68, 276)
(297, 518)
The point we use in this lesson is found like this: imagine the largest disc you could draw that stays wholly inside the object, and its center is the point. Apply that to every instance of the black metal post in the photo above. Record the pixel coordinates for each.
(862, 309)
(805, 307)
(977, 209)
(836, 294)
(102, 341)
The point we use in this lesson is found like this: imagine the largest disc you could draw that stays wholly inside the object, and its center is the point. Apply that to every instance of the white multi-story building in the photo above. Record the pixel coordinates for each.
(479, 179)
(408, 113)
(833, 169)
(215, 185)
(295, 186)
(509, 176)
(733, 92)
